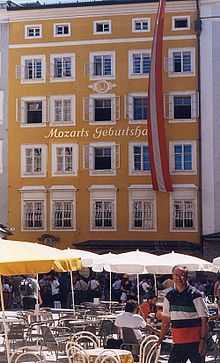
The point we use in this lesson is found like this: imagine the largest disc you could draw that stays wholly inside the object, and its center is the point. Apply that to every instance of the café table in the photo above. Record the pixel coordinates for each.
(125, 355)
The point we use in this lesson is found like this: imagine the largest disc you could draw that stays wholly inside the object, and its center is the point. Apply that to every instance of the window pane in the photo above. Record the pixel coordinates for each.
(187, 62)
(33, 214)
(140, 108)
(137, 158)
(33, 112)
(182, 107)
(146, 158)
(177, 62)
(187, 157)
(103, 158)
(103, 109)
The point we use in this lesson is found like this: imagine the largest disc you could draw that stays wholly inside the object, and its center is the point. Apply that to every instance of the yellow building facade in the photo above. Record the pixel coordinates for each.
(79, 167)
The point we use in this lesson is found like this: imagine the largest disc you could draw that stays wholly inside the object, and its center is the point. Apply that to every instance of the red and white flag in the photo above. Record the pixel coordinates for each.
(156, 124)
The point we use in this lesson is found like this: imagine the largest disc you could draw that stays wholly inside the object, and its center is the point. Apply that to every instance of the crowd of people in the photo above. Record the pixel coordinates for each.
(55, 288)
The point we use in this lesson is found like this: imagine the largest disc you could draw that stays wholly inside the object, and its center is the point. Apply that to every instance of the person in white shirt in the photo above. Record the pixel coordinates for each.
(130, 319)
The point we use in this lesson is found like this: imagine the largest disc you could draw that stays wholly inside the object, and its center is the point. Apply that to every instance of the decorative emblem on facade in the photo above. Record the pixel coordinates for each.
(102, 86)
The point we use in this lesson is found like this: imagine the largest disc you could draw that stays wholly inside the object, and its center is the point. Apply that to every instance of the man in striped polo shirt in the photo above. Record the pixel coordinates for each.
(185, 309)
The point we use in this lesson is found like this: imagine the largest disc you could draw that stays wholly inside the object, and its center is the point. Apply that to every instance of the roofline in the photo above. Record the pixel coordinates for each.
(12, 6)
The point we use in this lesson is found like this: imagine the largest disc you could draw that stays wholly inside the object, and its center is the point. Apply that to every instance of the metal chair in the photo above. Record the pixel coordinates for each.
(53, 343)
(149, 351)
(76, 354)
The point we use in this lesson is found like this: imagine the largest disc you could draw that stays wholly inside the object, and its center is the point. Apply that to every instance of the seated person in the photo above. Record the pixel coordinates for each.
(130, 319)
(148, 306)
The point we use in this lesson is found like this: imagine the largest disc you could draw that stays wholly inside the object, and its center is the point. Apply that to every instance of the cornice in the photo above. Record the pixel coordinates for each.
(103, 10)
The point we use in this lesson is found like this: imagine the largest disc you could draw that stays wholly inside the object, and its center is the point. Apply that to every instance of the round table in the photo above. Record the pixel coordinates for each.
(125, 355)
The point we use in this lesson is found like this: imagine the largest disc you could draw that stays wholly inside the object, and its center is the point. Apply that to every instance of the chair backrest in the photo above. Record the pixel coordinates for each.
(108, 356)
(86, 339)
(128, 336)
(76, 354)
(149, 352)
(29, 357)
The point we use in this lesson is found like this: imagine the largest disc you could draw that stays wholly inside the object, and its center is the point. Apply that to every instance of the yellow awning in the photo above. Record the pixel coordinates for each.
(20, 258)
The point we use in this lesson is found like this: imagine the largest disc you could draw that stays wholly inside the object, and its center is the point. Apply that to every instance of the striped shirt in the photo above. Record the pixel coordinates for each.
(185, 310)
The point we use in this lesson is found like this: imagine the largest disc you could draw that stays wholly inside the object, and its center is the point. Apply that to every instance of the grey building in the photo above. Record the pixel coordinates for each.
(210, 124)
(3, 114)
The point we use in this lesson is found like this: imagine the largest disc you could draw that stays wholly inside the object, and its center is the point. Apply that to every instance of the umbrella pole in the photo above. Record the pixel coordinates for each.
(110, 291)
(72, 291)
(155, 284)
(7, 345)
(138, 289)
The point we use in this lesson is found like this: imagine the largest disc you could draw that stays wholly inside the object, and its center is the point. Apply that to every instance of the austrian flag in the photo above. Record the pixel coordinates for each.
(157, 136)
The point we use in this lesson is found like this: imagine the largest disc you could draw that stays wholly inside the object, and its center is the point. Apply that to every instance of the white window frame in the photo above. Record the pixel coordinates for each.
(92, 109)
(103, 22)
(61, 35)
(72, 98)
(185, 17)
(131, 75)
(34, 193)
(172, 157)
(43, 62)
(103, 193)
(132, 171)
(142, 192)
(130, 106)
(43, 173)
(184, 192)
(134, 20)
(75, 161)
(194, 106)
(63, 193)
(35, 26)
(73, 67)
(91, 62)
(23, 112)
(92, 170)
(171, 73)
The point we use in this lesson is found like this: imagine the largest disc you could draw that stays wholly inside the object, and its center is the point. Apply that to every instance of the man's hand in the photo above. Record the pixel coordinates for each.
(202, 347)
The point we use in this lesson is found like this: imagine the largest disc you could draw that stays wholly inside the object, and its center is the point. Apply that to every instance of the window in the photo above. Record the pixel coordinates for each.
(33, 214)
(102, 109)
(33, 69)
(63, 206)
(183, 211)
(183, 157)
(102, 27)
(183, 107)
(33, 31)
(137, 108)
(63, 67)
(33, 111)
(180, 22)
(141, 25)
(65, 159)
(102, 65)
(62, 30)
(33, 160)
(33, 208)
(183, 214)
(103, 207)
(63, 110)
(139, 158)
(102, 158)
(142, 208)
(181, 61)
(139, 63)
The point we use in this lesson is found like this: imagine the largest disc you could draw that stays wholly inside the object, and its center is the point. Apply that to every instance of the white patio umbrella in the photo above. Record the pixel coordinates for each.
(131, 263)
(167, 261)
(216, 263)
(87, 258)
